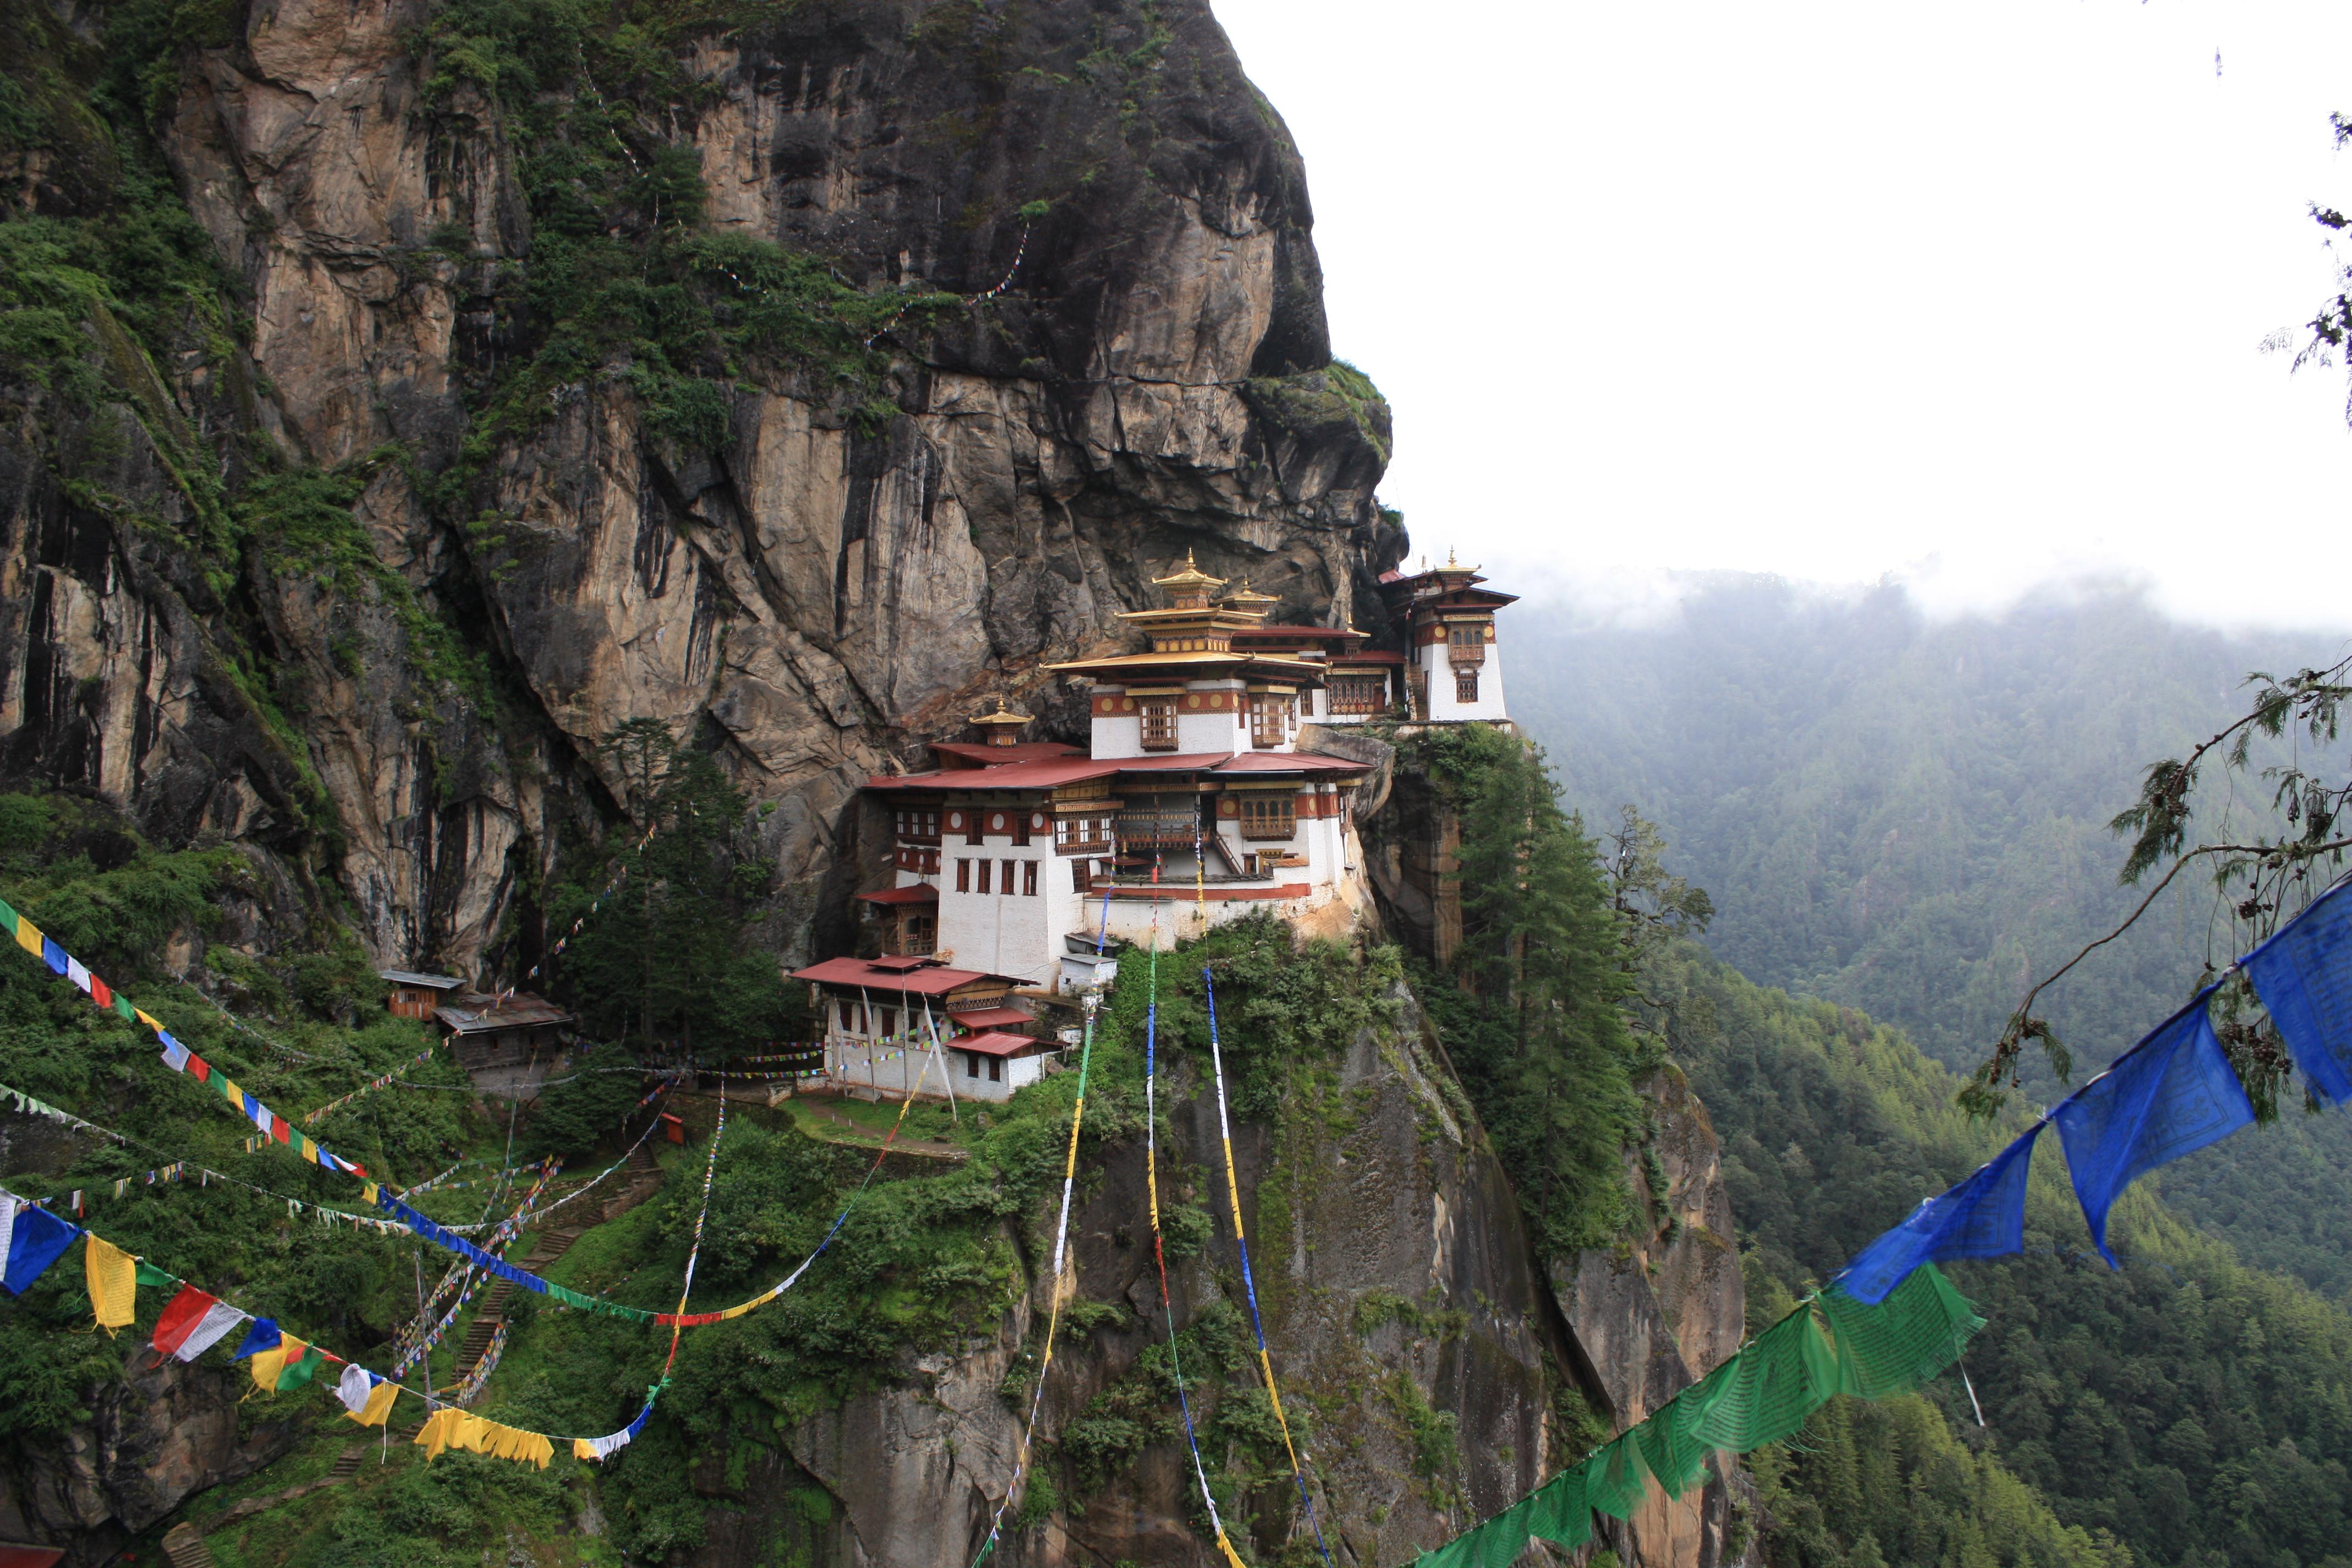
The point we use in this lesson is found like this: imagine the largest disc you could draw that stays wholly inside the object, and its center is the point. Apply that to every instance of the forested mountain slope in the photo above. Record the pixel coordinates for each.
(1908, 817)
(2186, 1410)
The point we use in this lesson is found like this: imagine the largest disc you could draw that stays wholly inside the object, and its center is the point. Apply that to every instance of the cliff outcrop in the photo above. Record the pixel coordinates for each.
(1098, 343)
(793, 377)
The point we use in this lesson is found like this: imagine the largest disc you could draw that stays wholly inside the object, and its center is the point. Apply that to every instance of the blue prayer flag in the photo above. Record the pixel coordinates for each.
(2169, 1095)
(262, 1336)
(54, 957)
(37, 1238)
(2304, 976)
(1983, 1216)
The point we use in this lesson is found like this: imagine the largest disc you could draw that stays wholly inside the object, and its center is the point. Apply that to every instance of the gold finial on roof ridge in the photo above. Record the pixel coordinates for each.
(1003, 715)
(1192, 576)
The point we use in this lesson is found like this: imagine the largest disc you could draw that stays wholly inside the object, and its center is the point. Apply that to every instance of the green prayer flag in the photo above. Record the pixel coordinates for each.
(154, 1278)
(1561, 1514)
(121, 1004)
(7, 919)
(298, 1371)
(1766, 1391)
(1918, 1330)
(1498, 1543)
(1616, 1480)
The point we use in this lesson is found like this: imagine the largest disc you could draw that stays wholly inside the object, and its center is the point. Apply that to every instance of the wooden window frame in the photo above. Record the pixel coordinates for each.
(1465, 688)
(1028, 879)
(1269, 815)
(987, 872)
(1157, 723)
(1004, 882)
(963, 875)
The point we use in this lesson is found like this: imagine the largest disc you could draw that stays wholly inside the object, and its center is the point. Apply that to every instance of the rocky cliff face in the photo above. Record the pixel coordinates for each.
(1133, 364)
(1108, 349)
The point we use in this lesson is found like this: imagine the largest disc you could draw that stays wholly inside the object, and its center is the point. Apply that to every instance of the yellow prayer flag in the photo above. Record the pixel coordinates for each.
(150, 1021)
(113, 1283)
(584, 1450)
(29, 936)
(433, 1435)
(267, 1364)
(379, 1406)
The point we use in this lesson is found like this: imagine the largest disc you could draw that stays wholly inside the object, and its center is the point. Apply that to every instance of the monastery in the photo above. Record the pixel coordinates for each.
(1018, 863)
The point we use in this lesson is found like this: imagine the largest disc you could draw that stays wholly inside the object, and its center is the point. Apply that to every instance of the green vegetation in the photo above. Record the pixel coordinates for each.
(2186, 1410)
(673, 954)
(1534, 1017)
(1911, 817)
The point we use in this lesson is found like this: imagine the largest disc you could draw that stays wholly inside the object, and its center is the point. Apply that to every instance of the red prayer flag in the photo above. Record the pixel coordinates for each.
(99, 994)
(191, 1322)
(281, 1129)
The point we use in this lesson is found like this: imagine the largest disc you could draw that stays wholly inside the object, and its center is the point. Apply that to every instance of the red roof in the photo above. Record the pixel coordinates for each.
(991, 1017)
(920, 893)
(1323, 632)
(1048, 772)
(932, 980)
(996, 1044)
(1289, 762)
(989, 756)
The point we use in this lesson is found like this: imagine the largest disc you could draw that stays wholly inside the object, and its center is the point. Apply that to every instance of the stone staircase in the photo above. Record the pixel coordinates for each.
(550, 1247)
(184, 1547)
(184, 1544)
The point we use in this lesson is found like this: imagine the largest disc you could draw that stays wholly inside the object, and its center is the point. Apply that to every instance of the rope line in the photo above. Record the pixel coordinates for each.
(1158, 1250)
(1054, 1297)
(1249, 1285)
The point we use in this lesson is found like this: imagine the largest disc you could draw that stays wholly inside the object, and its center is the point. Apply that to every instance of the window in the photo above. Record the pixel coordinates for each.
(1078, 875)
(1269, 815)
(1307, 704)
(1269, 719)
(889, 1024)
(1073, 834)
(1465, 644)
(918, 823)
(1007, 883)
(985, 867)
(1022, 820)
(1028, 879)
(1466, 686)
(1358, 693)
(1159, 724)
(963, 877)
(972, 1064)
(996, 1070)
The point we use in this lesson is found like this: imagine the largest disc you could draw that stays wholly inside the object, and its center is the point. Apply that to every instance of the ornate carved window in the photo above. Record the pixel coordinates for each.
(1159, 724)
(1269, 815)
(1465, 687)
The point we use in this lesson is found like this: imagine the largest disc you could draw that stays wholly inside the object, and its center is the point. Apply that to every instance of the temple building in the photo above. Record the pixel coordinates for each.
(1014, 860)
(1453, 671)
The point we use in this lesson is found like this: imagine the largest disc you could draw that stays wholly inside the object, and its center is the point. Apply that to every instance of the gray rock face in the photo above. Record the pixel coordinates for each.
(809, 597)
(156, 1437)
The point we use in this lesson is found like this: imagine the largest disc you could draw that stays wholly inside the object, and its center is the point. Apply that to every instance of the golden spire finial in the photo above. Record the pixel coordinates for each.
(1449, 556)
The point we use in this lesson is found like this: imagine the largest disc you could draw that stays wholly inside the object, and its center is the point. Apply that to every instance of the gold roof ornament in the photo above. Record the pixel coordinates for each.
(1192, 576)
(1002, 727)
(1003, 715)
(1242, 598)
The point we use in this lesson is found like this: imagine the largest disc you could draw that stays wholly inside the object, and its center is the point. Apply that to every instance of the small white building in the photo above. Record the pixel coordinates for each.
(1454, 671)
(907, 1025)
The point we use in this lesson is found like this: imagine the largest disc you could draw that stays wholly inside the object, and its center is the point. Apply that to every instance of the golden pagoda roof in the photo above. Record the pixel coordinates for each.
(1242, 598)
(1192, 576)
(1003, 715)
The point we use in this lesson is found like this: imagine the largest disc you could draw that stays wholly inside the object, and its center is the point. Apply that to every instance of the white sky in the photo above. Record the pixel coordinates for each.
(1971, 294)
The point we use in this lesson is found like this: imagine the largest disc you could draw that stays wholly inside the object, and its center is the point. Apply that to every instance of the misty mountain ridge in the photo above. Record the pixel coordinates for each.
(1907, 816)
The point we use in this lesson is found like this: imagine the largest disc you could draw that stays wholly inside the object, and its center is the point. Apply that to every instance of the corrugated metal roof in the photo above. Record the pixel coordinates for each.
(430, 981)
(477, 1014)
(983, 1018)
(934, 980)
(997, 1044)
(920, 893)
